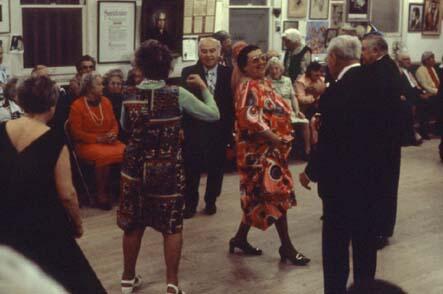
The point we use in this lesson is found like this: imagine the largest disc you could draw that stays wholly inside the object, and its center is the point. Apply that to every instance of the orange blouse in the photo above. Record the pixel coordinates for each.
(85, 130)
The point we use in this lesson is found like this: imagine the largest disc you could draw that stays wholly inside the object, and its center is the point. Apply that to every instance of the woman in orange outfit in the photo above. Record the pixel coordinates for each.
(94, 129)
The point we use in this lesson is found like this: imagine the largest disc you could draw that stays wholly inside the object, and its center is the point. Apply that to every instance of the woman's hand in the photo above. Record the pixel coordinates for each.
(300, 115)
(196, 81)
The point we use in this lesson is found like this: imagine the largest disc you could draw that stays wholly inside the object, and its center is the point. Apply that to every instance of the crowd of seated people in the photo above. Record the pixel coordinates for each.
(93, 104)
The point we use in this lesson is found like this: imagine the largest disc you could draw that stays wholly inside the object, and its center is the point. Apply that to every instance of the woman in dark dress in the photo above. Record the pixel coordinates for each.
(39, 214)
(152, 177)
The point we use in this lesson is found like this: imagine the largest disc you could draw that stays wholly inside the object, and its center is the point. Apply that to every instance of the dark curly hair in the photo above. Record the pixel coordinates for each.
(37, 94)
(86, 57)
(154, 60)
(313, 66)
(242, 59)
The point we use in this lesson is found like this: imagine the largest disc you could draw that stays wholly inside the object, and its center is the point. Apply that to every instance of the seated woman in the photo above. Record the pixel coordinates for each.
(8, 108)
(94, 129)
(283, 86)
(114, 90)
(308, 89)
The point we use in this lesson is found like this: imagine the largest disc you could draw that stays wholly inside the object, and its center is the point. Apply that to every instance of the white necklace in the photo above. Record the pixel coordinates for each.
(97, 120)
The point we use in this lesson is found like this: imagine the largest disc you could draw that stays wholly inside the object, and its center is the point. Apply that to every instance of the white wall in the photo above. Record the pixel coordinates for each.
(415, 42)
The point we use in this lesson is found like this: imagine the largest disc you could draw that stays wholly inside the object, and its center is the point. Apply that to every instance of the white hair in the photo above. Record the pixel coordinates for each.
(402, 53)
(345, 47)
(274, 61)
(209, 39)
(20, 276)
(293, 35)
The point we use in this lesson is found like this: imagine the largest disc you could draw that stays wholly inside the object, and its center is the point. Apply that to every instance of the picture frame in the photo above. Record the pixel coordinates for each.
(358, 10)
(315, 36)
(5, 16)
(16, 44)
(163, 21)
(330, 34)
(386, 16)
(116, 31)
(297, 8)
(415, 18)
(337, 15)
(190, 48)
(431, 18)
(318, 9)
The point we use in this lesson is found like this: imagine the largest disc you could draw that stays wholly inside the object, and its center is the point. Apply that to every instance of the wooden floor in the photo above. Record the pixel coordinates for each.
(413, 260)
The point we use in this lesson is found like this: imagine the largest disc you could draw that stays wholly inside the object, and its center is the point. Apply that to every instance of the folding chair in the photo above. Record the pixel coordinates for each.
(75, 161)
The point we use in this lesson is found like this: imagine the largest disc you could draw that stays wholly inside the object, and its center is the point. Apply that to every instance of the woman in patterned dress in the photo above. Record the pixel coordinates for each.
(263, 145)
(152, 177)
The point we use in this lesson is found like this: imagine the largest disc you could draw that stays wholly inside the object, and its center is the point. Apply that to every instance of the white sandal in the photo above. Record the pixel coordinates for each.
(176, 289)
(128, 286)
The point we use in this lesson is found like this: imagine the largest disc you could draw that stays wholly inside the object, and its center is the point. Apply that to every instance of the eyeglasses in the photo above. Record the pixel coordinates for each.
(259, 58)
(87, 67)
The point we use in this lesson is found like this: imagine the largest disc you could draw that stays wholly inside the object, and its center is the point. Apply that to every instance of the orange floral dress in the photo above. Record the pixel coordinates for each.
(266, 183)
(85, 129)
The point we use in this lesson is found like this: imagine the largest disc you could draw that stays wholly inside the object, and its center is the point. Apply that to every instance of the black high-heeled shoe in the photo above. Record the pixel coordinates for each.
(244, 246)
(295, 257)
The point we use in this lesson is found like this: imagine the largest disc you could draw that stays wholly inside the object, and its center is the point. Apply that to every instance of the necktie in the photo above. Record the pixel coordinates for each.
(210, 79)
(433, 77)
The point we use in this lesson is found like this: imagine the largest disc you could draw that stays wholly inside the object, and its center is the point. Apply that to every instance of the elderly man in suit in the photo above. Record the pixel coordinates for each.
(384, 78)
(347, 165)
(205, 143)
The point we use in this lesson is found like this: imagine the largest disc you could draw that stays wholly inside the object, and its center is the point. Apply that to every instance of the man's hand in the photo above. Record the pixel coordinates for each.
(304, 180)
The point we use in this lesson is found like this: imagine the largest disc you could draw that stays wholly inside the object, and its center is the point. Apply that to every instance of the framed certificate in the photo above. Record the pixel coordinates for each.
(5, 24)
(116, 31)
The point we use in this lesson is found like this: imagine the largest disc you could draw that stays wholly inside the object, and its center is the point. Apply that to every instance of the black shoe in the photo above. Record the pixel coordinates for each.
(189, 213)
(210, 209)
(243, 246)
(295, 257)
(381, 242)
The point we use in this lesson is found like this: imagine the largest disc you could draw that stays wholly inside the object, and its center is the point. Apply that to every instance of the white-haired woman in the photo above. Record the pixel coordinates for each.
(94, 129)
(297, 56)
(283, 86)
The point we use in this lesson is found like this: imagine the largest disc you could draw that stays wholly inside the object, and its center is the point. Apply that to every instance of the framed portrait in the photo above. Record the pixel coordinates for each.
(297, 8)
(319, 9)
(415, 19)
(315, 36)
(431, 18)
(289, 24)
(116, 31)
(337, 15)
(163, 21)
(330, 34)
(5, 24)
(358, 10)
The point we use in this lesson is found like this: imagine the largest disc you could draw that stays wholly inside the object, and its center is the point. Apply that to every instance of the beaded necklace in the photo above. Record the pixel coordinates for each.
(97, 120)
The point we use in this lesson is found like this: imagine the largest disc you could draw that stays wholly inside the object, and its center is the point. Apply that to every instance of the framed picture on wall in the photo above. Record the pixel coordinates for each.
(385, 15)
(297, 8)
(5, 25)
(163, 21)
(337, 15)
(319, 9)
(431, 18)
(315, 36)
(415, 20)
(116, 31)
(358, 10)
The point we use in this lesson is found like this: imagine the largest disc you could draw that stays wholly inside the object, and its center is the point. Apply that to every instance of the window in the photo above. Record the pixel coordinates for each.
(52, 34)
(46, 2)
(247, 2)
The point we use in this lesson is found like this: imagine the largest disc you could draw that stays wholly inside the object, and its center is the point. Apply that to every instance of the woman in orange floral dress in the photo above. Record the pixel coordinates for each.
(263, 145)
(94, 129)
